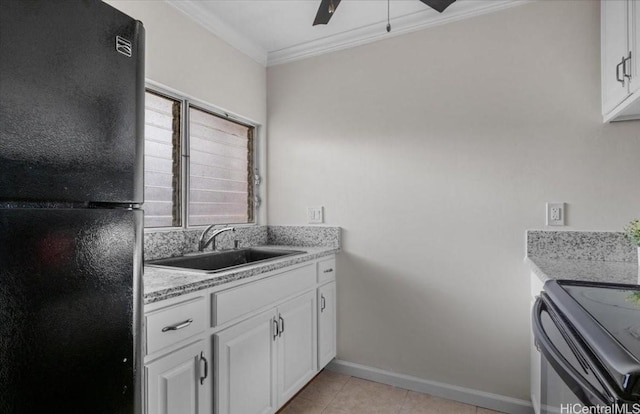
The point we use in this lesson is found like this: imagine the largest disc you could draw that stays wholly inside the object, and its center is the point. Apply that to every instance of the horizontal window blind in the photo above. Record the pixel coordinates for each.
(161, 161)
(220, 159)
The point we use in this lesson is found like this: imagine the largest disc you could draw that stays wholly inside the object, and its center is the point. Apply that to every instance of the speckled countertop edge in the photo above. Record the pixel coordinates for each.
(588, 270)
(161, 284)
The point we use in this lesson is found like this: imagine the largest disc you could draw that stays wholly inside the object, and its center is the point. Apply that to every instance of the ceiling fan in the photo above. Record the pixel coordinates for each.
(328, 7)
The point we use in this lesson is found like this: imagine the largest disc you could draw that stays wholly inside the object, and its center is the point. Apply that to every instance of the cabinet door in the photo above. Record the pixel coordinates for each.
(179, 382)
(615, 47)
(326, 324)
(297, 346)
(245, 366)
(634, 26)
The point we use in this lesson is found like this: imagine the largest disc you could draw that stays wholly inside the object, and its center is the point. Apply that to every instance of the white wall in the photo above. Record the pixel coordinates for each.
(435, 151)
(186, 57)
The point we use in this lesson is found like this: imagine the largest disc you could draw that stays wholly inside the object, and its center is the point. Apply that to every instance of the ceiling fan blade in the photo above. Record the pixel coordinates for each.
(438, 5)
(323, 15)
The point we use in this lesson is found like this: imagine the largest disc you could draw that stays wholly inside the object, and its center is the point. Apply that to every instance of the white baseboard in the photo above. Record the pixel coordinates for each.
(451, 392)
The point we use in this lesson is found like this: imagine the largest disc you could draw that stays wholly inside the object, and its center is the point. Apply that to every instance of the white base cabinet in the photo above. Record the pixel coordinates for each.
(297, 345)
(264, 361)
(326, 323)
(245, 347)
(179, 382)
(536, 362)
(245, 366)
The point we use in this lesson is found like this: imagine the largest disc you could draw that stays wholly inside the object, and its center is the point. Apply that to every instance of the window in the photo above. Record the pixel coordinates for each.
(217, 176)
(162, 138)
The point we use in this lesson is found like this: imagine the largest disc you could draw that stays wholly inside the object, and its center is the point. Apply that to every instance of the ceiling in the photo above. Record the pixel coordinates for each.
(279, 31)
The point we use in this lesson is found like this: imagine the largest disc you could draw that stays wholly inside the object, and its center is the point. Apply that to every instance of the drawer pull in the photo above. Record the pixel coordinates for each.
(178, 326)
(328, 270)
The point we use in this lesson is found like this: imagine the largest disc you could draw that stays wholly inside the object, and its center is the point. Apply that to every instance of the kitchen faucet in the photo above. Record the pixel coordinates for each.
(212, 240)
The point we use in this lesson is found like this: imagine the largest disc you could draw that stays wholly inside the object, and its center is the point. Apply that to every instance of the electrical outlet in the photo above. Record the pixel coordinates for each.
(315, 215)
(555, 214)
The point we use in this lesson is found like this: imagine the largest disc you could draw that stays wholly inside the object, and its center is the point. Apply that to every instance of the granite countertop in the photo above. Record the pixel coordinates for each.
(160, 284)
(589, 270)
(593, 256)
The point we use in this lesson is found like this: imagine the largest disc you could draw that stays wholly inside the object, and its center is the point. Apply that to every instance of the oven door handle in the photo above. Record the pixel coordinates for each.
(576, 382)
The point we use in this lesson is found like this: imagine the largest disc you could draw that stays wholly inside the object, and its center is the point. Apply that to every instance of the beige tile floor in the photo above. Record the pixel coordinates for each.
(333, 393)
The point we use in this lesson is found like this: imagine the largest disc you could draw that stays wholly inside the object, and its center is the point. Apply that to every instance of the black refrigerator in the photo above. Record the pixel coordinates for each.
(71, 186)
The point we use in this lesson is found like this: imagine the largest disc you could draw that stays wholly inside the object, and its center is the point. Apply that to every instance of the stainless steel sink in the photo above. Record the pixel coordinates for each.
(224, 260)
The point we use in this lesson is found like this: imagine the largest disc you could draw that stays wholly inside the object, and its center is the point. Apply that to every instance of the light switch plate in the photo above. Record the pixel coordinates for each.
(555, 214)
(315, 215)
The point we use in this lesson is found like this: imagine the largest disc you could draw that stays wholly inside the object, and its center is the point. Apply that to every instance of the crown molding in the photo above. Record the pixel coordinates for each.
(377, 31)
(196, 11)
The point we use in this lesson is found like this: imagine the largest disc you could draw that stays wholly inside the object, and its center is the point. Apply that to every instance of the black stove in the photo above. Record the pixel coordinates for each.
(616, 309)
(590, 334)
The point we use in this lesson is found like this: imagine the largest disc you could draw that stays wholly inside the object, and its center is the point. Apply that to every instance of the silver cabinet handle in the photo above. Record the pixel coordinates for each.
(178, 326)
(624, 66)
(323, 304)
(328, 270)
(276, 329)
(618, 66)
(206, 368)
(281, 325)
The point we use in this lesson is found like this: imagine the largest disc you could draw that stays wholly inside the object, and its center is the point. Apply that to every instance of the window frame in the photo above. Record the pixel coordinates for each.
(187, 102)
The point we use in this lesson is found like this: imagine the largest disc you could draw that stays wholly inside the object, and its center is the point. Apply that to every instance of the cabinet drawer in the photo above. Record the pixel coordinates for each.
(233, 303)
(171, 325)
(326, 270)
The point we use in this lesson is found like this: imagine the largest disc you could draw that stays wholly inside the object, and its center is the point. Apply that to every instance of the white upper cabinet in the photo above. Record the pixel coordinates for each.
(634, 21)
(615, 48)
(620, 54)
